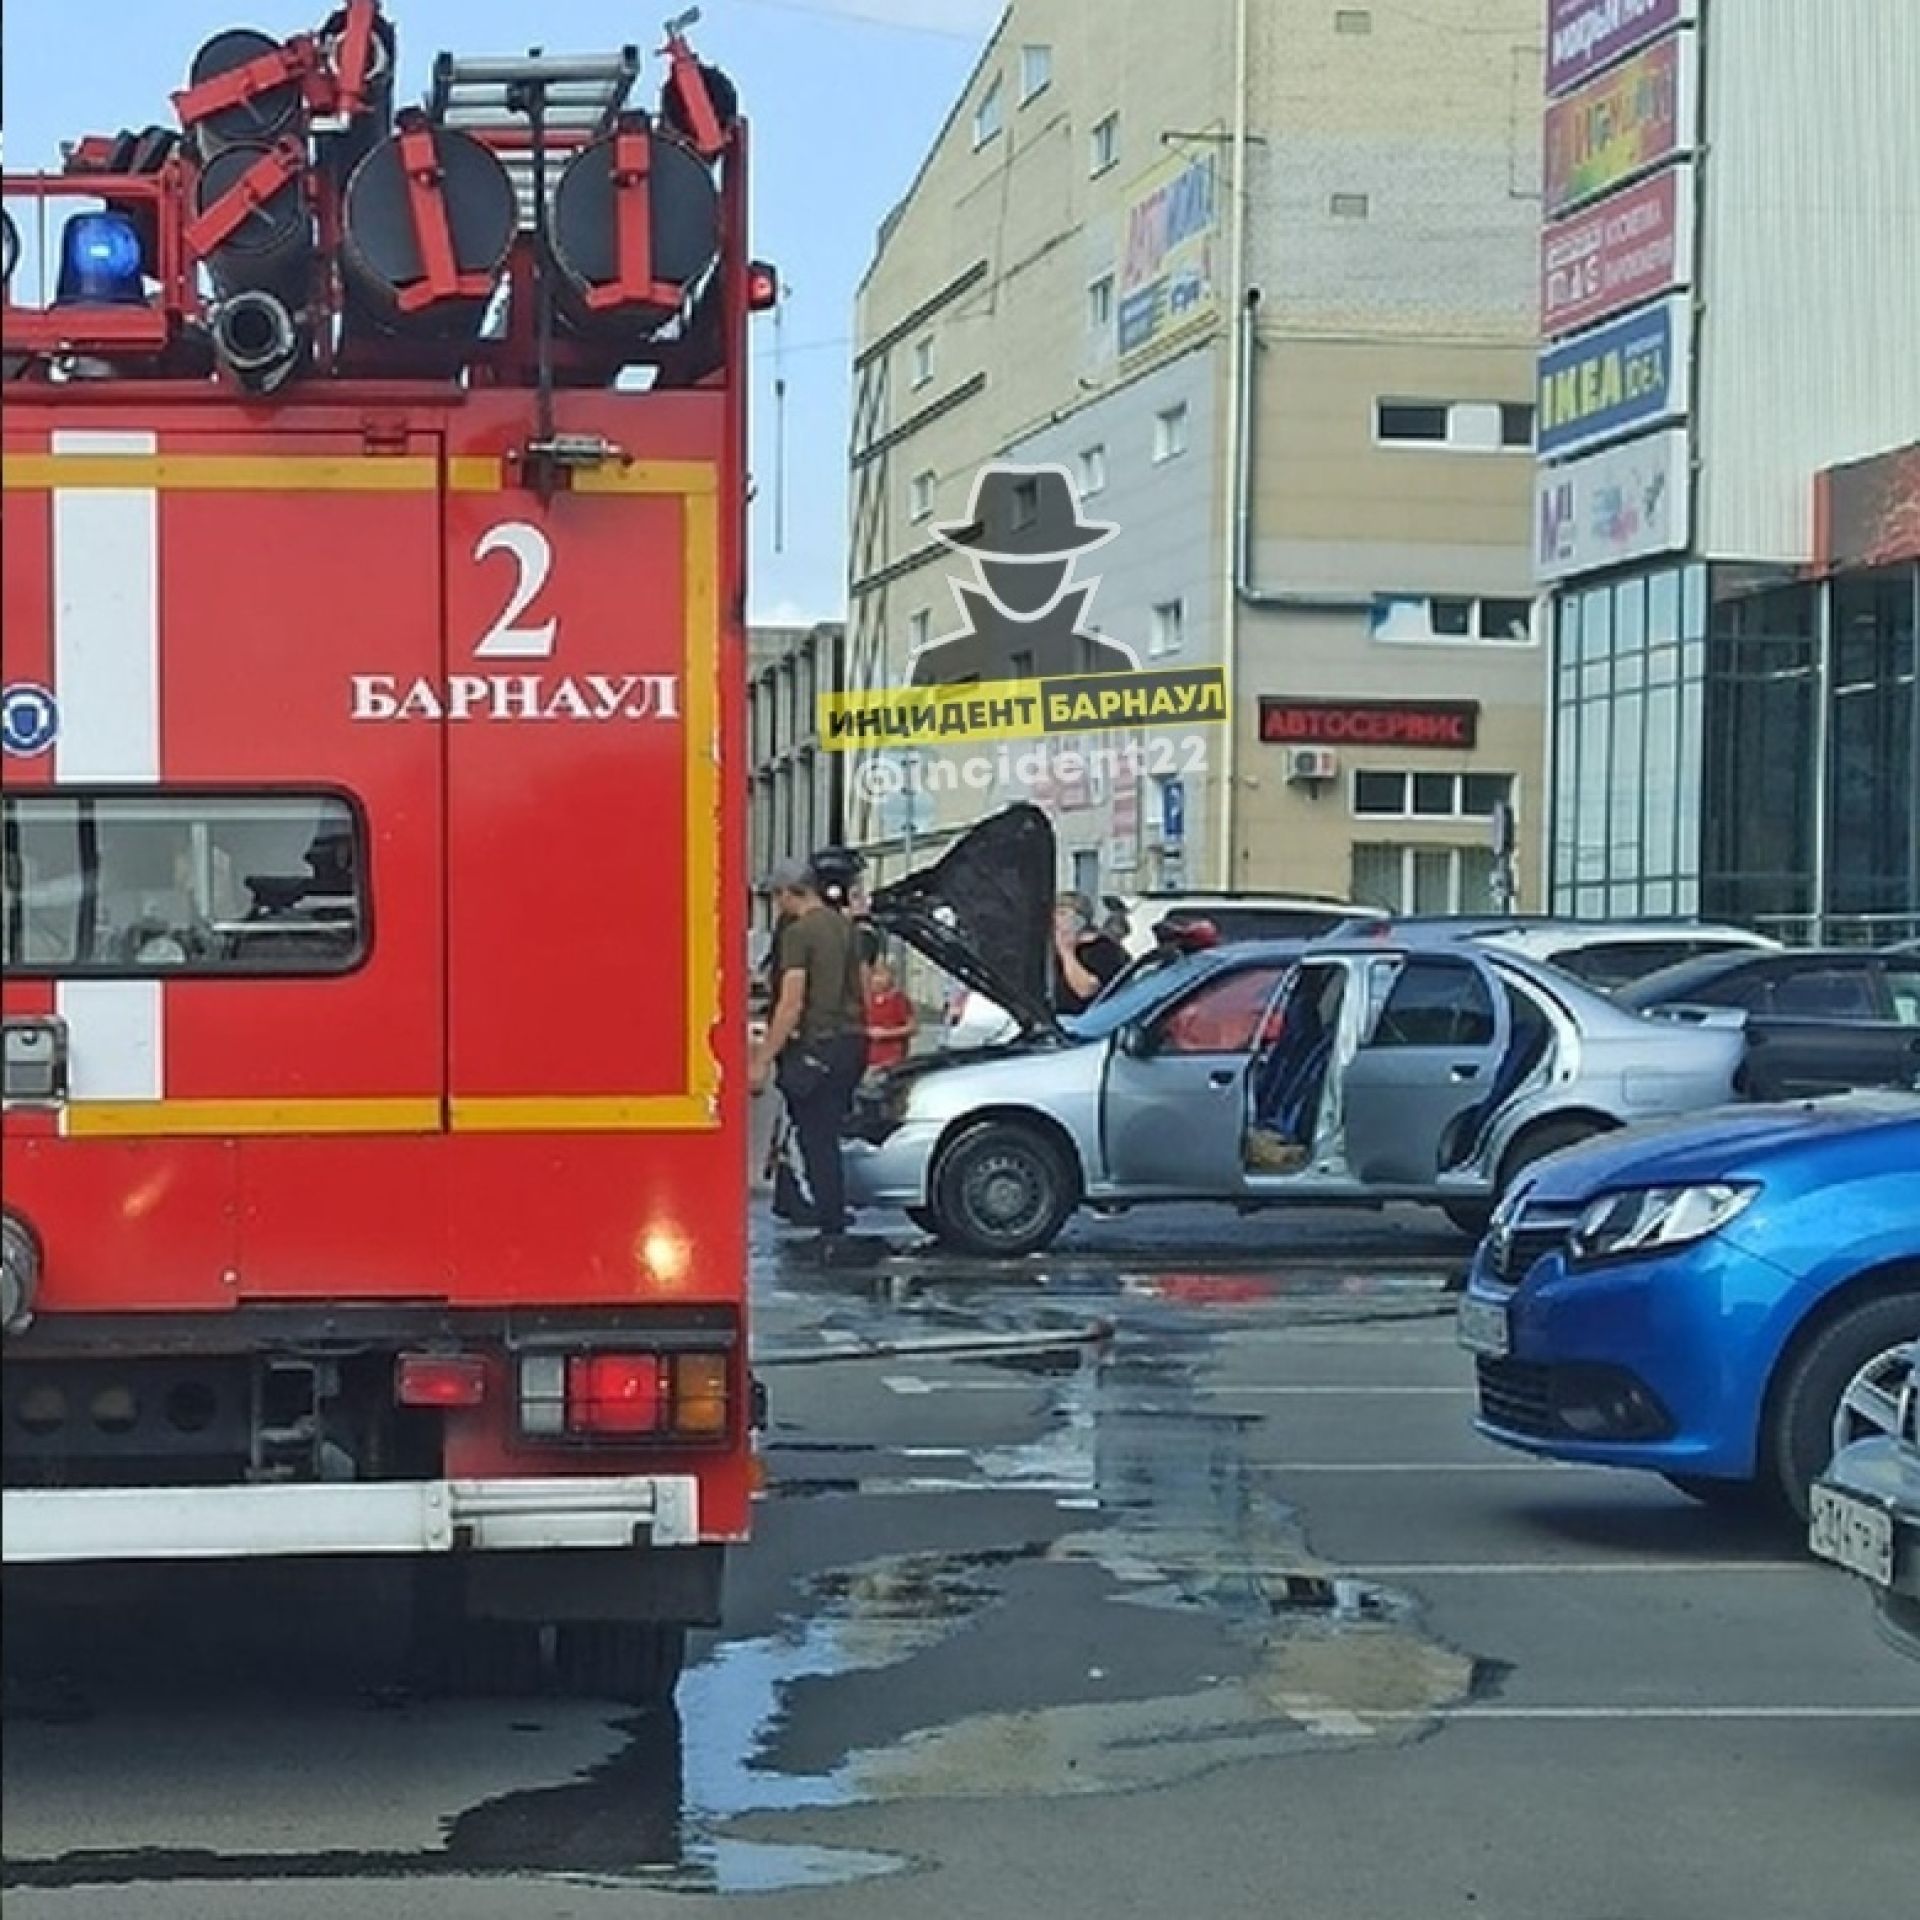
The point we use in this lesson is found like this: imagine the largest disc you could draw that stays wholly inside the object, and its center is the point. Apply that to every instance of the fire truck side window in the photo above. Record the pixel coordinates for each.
(118, 883)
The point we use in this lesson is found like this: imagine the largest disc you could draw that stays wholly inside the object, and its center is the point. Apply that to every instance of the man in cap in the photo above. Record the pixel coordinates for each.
(815, 1043)
(1023, 531)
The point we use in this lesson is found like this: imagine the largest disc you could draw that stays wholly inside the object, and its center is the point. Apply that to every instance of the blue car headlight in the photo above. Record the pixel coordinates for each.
(1652, 1219)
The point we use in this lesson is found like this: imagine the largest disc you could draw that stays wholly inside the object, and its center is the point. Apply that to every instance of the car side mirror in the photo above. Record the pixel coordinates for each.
(1133, 1040)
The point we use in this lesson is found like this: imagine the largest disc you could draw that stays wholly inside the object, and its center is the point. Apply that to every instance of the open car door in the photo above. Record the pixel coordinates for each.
(1436, 1031)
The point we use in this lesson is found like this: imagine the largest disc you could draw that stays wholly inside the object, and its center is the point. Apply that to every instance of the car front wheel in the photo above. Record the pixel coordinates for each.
(1840, 1386)
(1001, 1189)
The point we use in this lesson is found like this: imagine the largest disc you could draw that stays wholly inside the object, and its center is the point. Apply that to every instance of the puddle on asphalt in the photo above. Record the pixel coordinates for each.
(1158, 1504)
(1160, 1501)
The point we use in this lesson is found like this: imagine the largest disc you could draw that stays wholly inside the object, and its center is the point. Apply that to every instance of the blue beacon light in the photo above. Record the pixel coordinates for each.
(100, 262)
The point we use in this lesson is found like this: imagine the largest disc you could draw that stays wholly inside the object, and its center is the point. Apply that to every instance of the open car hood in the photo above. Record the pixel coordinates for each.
(984, 912)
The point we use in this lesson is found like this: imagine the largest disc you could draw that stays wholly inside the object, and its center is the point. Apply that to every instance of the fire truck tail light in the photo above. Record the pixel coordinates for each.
(588, 1396)
(700, 1393)
(616, 1393)
(440, 1380)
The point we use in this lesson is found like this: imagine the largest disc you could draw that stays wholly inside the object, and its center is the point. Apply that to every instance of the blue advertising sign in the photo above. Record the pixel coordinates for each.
(1628, 374)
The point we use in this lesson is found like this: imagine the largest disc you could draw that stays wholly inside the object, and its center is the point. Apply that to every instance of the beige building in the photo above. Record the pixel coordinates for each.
(1259, 274)
(794, 806)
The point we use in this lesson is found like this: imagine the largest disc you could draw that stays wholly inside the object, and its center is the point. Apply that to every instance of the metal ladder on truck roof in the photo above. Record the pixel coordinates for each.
(563, 100)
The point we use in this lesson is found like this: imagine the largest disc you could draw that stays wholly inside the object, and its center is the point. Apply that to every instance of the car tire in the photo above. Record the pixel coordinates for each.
(1001, 1189)
(1535, 1143)
(1807, 1395)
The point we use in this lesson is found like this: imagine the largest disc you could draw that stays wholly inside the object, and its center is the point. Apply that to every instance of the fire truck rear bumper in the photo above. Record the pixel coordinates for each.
(416, 1516)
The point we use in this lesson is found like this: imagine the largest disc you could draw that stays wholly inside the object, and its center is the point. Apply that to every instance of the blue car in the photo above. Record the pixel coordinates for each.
(1724, 1300)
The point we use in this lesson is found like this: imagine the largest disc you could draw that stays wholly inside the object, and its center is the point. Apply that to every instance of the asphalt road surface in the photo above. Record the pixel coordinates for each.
(1227, 1612)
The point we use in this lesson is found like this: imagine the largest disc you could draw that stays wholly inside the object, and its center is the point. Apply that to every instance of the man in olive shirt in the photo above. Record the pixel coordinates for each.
(815, 1046)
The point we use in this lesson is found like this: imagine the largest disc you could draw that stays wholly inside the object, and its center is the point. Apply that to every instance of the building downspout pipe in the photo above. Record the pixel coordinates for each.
(1240, 376)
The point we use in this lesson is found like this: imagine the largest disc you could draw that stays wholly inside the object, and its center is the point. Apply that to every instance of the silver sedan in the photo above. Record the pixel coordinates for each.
(1261, 1075)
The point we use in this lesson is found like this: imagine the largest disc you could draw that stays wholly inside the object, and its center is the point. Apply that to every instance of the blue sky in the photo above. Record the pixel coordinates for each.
(845, 96)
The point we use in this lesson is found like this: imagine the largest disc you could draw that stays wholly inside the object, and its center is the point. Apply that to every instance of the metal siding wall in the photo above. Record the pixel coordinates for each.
(1810, 268)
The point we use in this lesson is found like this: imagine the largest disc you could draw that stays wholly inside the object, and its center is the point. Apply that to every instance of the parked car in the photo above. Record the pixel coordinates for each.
(1866, 1509)
(1244, 916)
(1606, 954)
(975, 1019)
(1712, 1299)
(1259, 1074)
(1816, 1020)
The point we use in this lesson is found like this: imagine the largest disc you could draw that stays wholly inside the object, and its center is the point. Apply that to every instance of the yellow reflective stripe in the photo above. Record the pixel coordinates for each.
(486, 473)
(475, 473)
(583, 1113)
(689, 477)
(225, 472)
(700, 682)
(344, 1115)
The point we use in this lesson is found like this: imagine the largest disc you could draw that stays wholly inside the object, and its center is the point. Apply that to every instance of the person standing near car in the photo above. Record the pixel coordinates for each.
(1084, 958)
(815, 1045)
(890, 1018)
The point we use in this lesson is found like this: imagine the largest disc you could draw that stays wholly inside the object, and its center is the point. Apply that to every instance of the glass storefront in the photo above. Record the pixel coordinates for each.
(1741, 746)
(1629, 666)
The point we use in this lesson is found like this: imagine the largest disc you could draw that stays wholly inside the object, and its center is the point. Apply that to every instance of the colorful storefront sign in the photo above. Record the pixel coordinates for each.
(1620, 504)
(1618, 252)
(1585, 35)
(1167, 279)
(1615, 380)
(1628, 120)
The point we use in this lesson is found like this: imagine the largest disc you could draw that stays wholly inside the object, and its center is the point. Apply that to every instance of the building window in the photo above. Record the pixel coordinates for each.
(1349, 206)
(1167, 630)
(1093, 470)
(1402, 617)
(1170, 431)
(920, 495)
(1103, 145)
(1025, 504)
(922, 369)
(1424, 420)
(1430, 796)
(1020, 663)
(1462, 426)
(175, 883)
(1100, 304)
(1415, 879)
(1352, 20)
(919, 629)
(1506, 620)
(989, 115)
(1036, 71)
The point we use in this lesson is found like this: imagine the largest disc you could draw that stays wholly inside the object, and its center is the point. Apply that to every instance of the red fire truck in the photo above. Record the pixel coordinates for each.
(374, 903)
